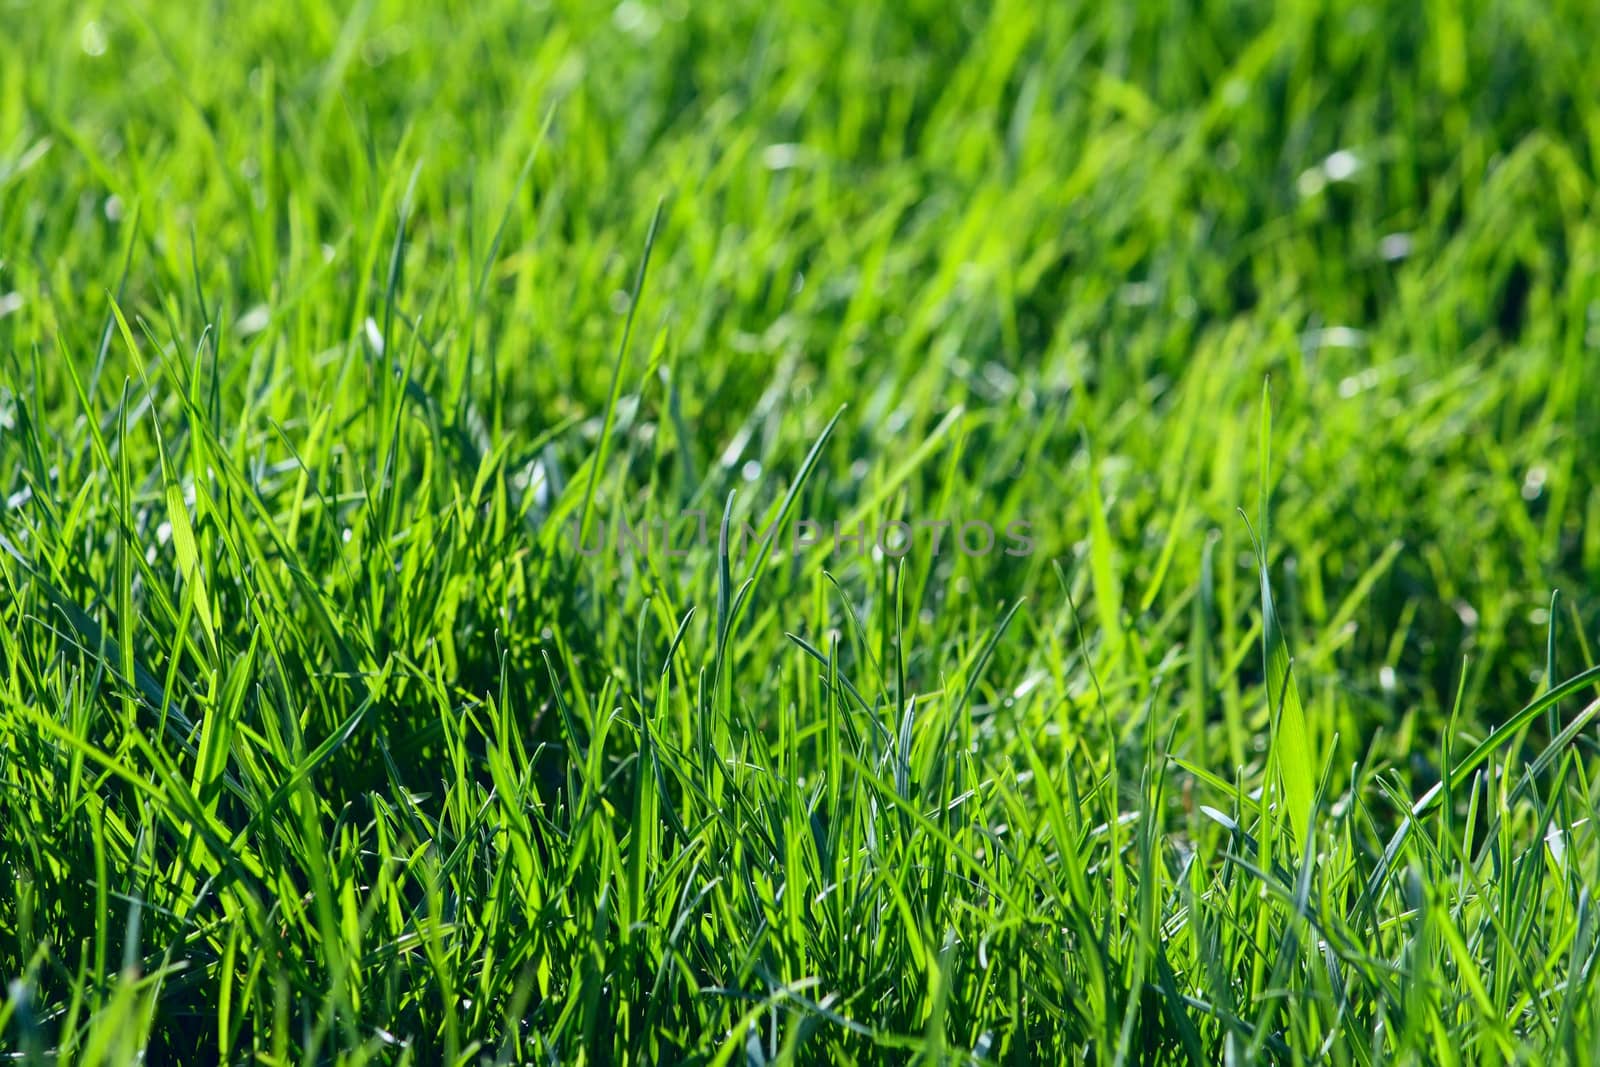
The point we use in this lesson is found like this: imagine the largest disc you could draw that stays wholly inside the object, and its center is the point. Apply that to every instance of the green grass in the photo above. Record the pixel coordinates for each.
(323, 330)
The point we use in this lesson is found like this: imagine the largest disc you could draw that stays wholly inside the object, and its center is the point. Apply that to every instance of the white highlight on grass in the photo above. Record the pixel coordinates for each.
(1341, 165)
(253, 321)
(1394, 246)
(93, 38)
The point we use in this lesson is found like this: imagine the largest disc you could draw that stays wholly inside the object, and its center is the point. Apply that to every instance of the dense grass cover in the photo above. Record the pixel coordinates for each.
(345, 354)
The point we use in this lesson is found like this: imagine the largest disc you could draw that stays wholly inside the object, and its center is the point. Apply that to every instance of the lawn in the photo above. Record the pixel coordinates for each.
(781, 532)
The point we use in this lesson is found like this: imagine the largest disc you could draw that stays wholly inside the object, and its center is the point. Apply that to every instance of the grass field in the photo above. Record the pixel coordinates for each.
(355, 708)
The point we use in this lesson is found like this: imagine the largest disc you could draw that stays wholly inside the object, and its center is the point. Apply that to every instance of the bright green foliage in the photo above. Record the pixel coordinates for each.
(325, 328)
